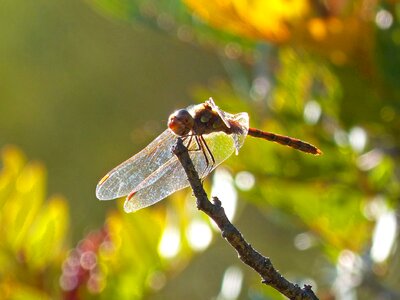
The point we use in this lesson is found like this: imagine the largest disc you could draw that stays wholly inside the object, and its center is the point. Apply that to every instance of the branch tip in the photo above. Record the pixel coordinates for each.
(217, 202)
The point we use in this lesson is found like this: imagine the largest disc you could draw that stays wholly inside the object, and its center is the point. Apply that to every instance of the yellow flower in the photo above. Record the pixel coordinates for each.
(270, 20)
(341, 33)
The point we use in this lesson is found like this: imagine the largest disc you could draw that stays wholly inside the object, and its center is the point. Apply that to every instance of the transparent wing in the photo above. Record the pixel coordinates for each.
(240, 121)
(171, 176)
(127, 176)
(124, 178)
(221, 113)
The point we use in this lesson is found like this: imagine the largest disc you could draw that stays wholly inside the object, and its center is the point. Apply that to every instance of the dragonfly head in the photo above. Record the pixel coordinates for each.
(181, 122)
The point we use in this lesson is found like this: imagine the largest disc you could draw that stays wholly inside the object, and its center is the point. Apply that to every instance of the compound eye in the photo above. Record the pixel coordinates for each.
(183, 115)
(181, 122)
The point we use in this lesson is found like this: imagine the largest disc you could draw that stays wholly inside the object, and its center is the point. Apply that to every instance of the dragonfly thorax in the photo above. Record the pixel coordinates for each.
(207, 120)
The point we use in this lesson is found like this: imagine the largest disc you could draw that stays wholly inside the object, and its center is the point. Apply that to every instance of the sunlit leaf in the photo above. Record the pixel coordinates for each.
(23, 205)
(47, 234)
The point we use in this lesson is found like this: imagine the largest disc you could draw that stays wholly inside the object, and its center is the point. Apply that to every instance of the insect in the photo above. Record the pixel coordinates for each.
(211, 136)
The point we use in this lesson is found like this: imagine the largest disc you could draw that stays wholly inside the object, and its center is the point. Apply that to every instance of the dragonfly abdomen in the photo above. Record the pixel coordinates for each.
(285, 140)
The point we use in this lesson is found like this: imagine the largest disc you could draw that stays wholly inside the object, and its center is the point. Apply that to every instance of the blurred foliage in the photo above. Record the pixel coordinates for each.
(323, 71)
(33, 230)
(122, 260)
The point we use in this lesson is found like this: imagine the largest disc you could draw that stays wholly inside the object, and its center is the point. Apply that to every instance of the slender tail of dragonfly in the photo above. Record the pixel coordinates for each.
(285, 140)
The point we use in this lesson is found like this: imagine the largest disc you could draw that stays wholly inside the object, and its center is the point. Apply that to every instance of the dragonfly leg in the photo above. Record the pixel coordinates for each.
(189, 143)
(199, 147)
(206, 151)
(200, 143)
(185, 138)
(203, 147)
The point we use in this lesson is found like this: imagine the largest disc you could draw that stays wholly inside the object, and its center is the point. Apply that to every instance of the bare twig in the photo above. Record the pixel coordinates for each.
(262, 265)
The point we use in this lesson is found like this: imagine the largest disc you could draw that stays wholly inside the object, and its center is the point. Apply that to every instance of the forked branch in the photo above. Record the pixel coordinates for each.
(261, 264)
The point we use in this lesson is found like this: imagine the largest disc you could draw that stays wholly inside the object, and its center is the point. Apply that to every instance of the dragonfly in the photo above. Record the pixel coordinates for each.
(211, 136)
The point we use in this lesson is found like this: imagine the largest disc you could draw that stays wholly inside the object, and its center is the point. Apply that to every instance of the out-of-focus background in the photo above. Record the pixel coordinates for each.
(86, 84)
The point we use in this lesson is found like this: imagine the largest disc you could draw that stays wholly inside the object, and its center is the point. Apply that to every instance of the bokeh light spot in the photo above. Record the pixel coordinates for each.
(157, 280)
(199, 235)
(260, 88)
(384, 19)
(369, 160)
(304, 241)
(317, 29)
(245, 180)
(223, 188)
(384, 236)
(312, 112)
(358, 138)
(88, 260)
(231, 284)
(68, 283)
(170, 242)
